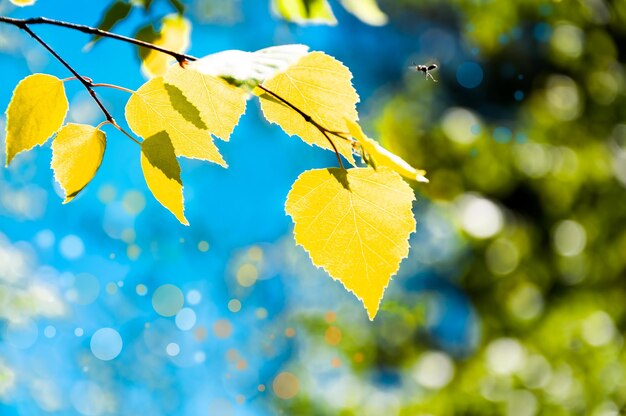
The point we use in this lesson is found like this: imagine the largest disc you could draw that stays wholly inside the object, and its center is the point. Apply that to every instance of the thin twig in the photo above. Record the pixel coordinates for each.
(21, 23)
(309, 119)
(117, 87)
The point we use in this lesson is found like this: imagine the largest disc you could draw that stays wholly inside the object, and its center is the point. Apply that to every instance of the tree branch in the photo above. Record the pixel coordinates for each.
(22, 23)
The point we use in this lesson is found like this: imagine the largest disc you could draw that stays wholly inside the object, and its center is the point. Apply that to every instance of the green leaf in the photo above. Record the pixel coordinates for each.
(36, 111)
(366, 10)
(112, 16)
(77, 152)
(162, 173)
(178, 5)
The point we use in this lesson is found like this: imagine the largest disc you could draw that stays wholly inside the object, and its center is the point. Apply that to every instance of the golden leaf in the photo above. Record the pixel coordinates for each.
(321, 87)
(157, 107)
(22, 3)
(304, 11)
(366, 10)
(77, 152)
(382, 156)
(36, 111)
(220, 105)
(162, 173)
(355, 224)
(174, 36)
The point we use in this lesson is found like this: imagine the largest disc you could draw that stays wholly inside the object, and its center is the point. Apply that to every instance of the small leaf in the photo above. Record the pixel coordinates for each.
(382, 156)
(77, 152)
(355, 224)
(321, 87)
(304, 11)
(22, 3)
(174, 35)
(153, 108)
(249, 68)
(36, 111)
(219, 104)
(162, 173)
(367, 11)
(115, 13)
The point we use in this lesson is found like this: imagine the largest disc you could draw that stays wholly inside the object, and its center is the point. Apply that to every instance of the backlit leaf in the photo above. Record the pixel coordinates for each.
(366, 10)
(36, 111)
(162, 173)
(249, 68)
(175, 36)
(157, 107)
(355, 224)
(321, 87)
(220, 104)
(23, 3)
(77, 152)
(304, 11)
(382, 156)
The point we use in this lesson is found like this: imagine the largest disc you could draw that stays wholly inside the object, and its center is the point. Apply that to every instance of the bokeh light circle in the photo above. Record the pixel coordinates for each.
(106, 344)
(167, 300)
(469, 74)
(185, 319)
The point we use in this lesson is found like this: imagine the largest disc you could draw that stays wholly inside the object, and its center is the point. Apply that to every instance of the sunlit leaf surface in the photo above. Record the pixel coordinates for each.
(162, 173)
(320, 86)
(77, 152)
(36, 111)
(355, 224)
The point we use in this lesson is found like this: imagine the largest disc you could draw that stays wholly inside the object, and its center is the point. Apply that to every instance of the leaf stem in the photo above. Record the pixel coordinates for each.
(22, 23)
(117, 87)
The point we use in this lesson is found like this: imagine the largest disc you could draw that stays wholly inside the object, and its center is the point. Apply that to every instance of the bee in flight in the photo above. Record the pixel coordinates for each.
(425, 69)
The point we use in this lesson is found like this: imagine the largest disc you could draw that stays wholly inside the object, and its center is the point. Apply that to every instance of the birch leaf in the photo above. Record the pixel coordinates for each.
(321, 87)
(22, 3)
(157, 107)
(355, 224)
(366, 10)
(36, 111)
(220, 104)
(304, 11)
(175, 36)
(382, 156)
(162, 173)
(77, 152)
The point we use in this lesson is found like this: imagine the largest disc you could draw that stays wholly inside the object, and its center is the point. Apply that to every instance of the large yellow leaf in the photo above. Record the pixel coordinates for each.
(77, 152)
(162, 173)
(382, 156)
(157, 107)
(174, 36)
(304, 11)
(355, 224)
(321, 87)
(36, 111)
(219, 103)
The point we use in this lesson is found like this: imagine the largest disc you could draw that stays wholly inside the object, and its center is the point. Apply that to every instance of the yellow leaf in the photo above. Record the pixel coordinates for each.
(355, 224)
(23, 3)
(382, 156)
(77, 152)
(174, 36)
(162, 173)
(219, 104)
(304, 11)
(36, 111)
(366, 10)
(157, 107)
(321, 87)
